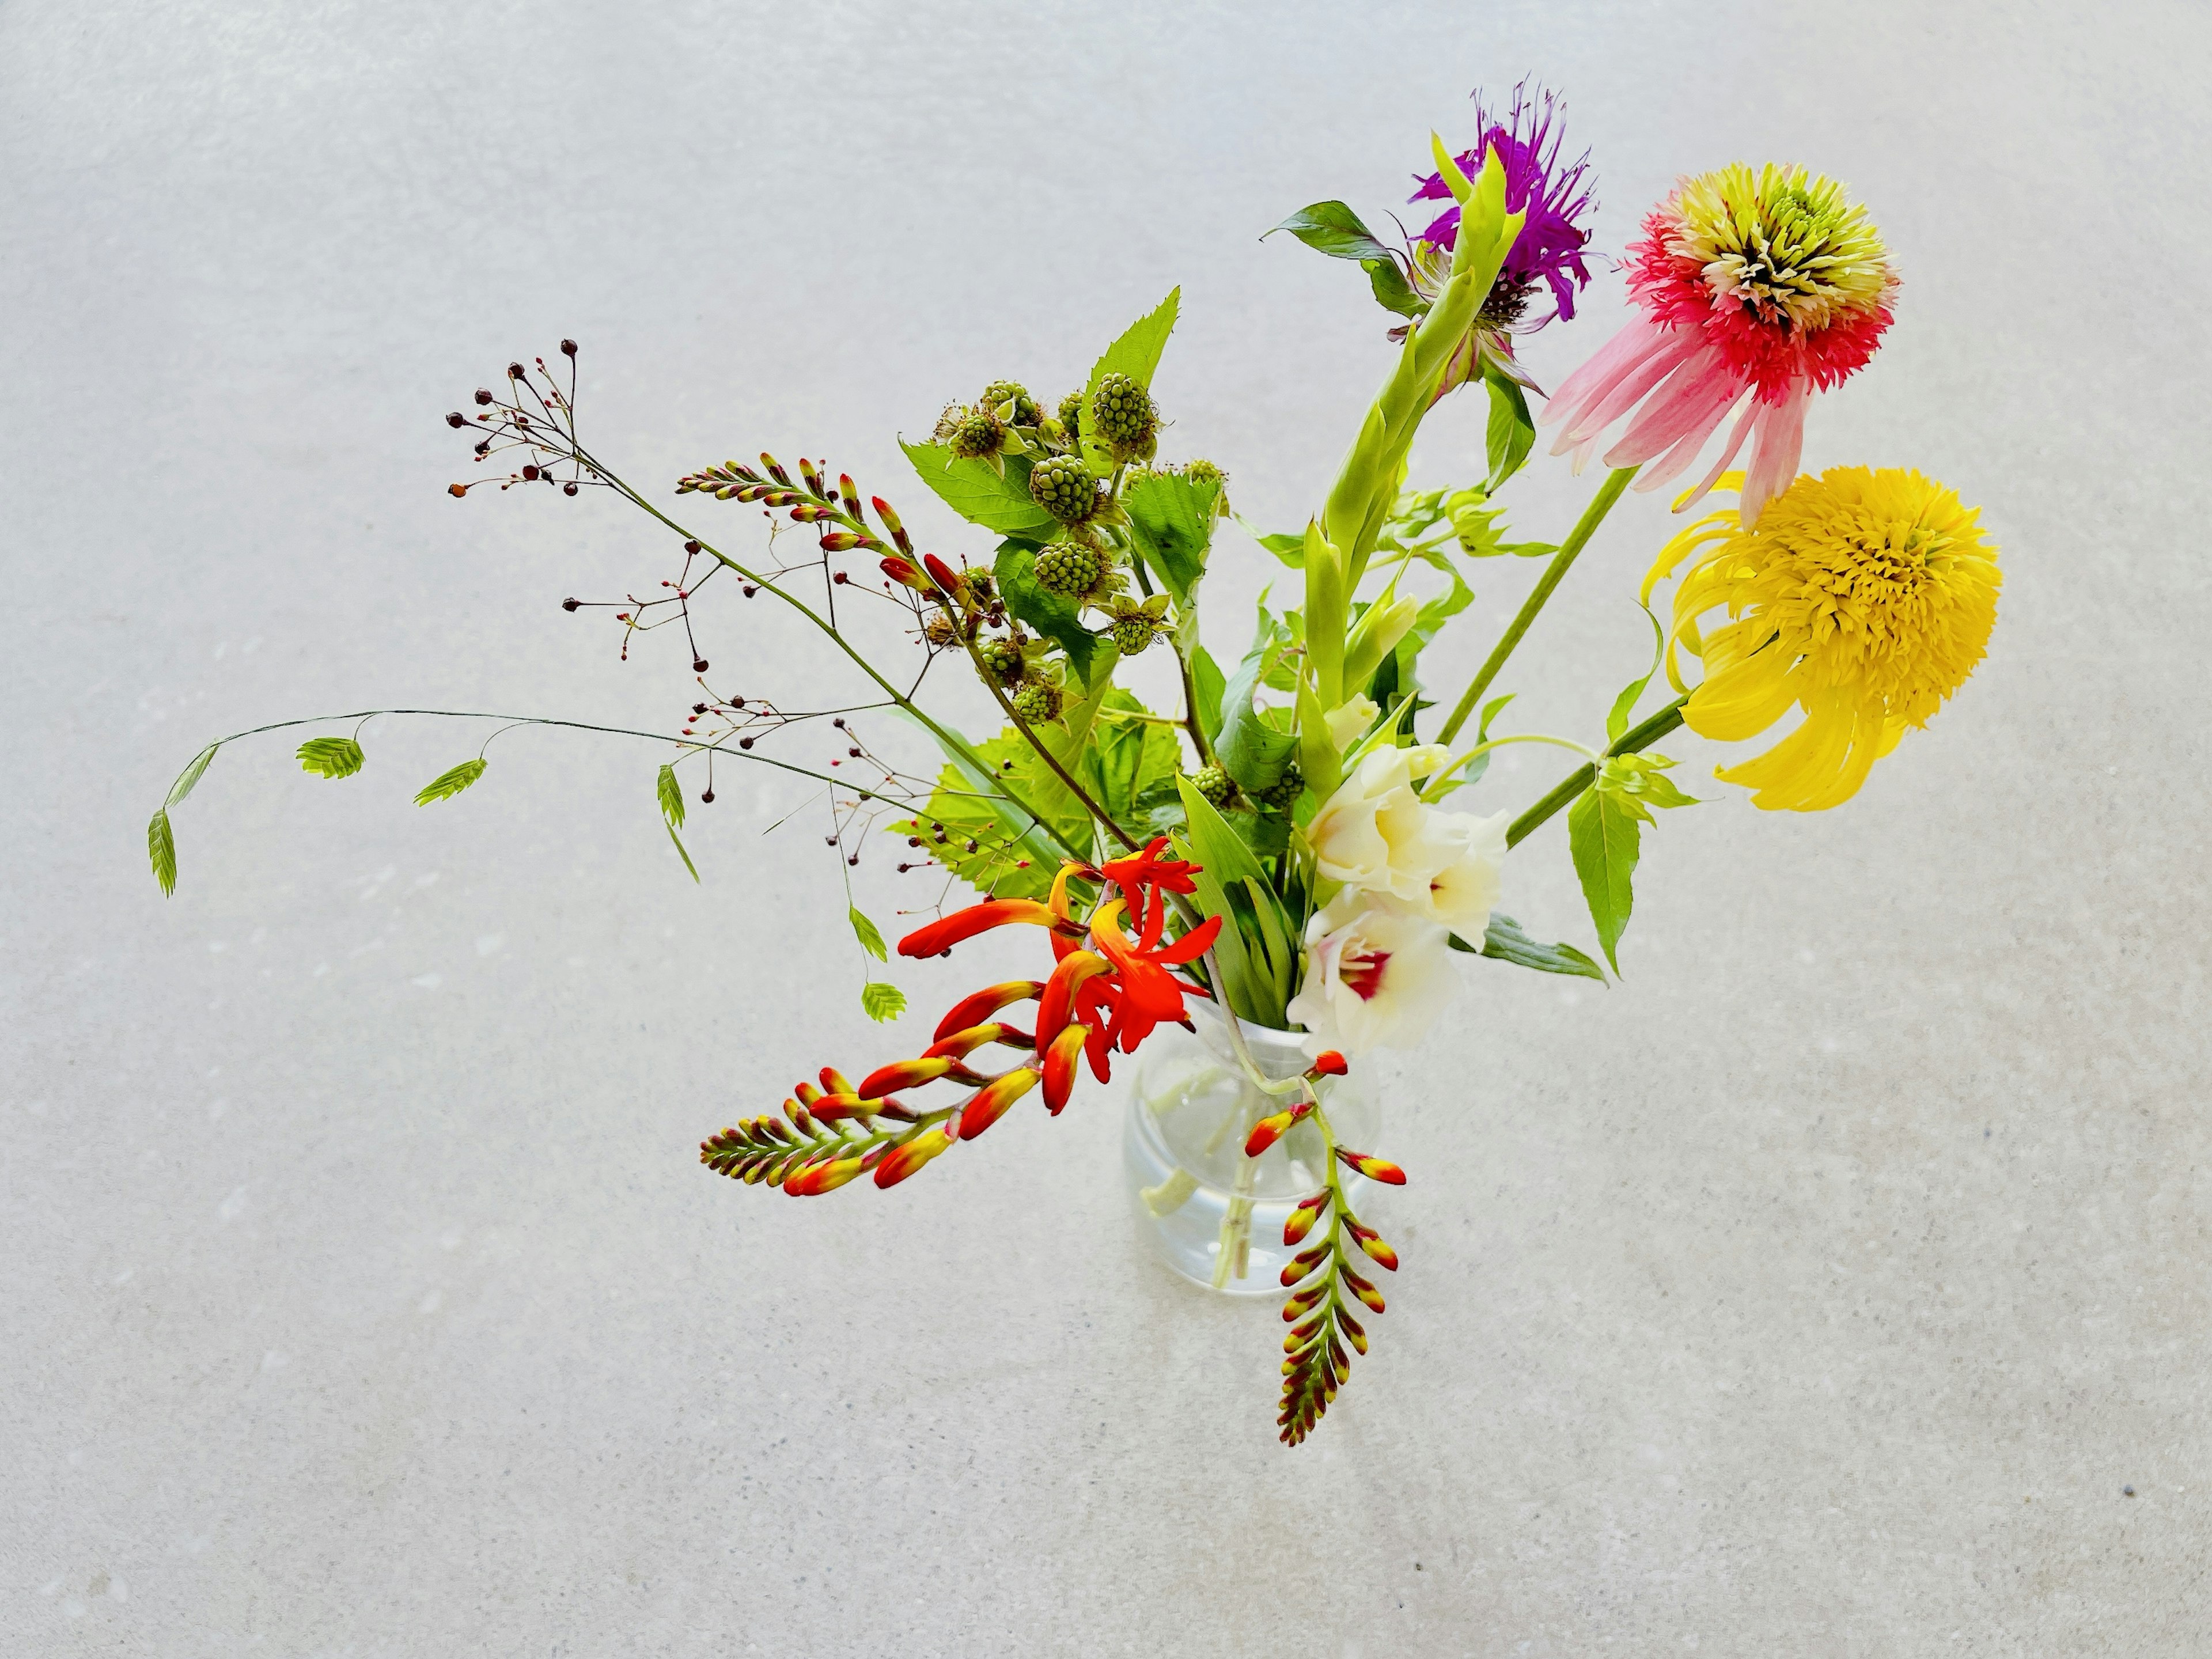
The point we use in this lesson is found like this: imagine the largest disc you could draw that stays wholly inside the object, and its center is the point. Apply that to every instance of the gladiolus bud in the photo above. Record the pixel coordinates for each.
(990, 1103)
(1329, 1063)
(1375, 1168)
(905, 1160)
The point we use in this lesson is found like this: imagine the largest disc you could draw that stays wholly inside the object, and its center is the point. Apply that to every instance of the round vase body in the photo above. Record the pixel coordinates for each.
(1216, 1215)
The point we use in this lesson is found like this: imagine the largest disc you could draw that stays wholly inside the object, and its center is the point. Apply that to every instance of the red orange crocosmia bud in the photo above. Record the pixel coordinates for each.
(819, 1178)
(883, 512)
(1382, 1253)
(808, 1094)
(1059, 1066)
(905, 1160)
(905, 1074)
(1267, 1132)
(907, 574)
(989, 1104)
(1329, 1063)
(1375, 1168)
(941, 935)
(834, 1081)
(1352, 1329)
(1360, 1288)
(946, 576)
(978, 1006)
(1300, 1223)
(830, 1109)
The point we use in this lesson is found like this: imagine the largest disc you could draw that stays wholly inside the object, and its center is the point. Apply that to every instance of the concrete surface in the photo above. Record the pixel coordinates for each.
(1821, 1291)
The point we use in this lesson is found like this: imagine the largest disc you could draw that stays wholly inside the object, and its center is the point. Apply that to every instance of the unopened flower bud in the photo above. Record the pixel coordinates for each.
(457, 419)
(567, 348)
(483, 395)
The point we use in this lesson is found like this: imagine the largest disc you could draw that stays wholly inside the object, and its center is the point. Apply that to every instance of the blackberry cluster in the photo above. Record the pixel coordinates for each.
(1069, 568)
(1038, 702)
(1216, 785)
(1122, 416)
(1063, 486)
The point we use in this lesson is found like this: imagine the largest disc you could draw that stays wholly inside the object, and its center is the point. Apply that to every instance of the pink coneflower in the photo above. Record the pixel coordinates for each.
(1753, 288)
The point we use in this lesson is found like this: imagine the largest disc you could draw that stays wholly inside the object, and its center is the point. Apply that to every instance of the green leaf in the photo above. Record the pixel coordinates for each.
(447, 785)
(161, 850)
(981, 493)
(672, 797)
(1289, 548)
(1250, 750)
(880, 1001)
(332, 757)
(1616, 720)
(1053, 614)
(1014, 857)
(189, 777)
(1332, 228)
(872, 941)
(1206, 674)
(681, 853)
(1137, 353)
(1171, 520)
(1511, 433)
(1505, 942)
(1644, 777)
(1133, 763)
(1603, 836)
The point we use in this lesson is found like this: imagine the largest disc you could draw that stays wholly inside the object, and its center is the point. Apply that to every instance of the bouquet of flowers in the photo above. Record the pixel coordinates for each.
(1285, 850)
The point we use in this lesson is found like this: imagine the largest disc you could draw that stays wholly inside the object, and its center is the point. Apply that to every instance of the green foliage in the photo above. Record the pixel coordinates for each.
(1604, 831)
(870, 939)
(995, 497)
(981, 837)
(881, 1002)
(1057, 618)
(1211, 686)
(676, 841)
(1289, 548)
(672, 797)
(1332, 228)
(1257, 949)
(189, 778)
(161, 850)
(1252, 749)
(448, 784)
(332, 757)
(1132, 762)
(1504, 941)
(1171, 520)
(1616, 719)
(1137, 352)
(1511, 433)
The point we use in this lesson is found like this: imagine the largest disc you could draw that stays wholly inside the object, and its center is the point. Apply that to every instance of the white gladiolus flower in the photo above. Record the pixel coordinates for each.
(1348, 721)
(1376, 976)
(1376, 832)
(1461, 892)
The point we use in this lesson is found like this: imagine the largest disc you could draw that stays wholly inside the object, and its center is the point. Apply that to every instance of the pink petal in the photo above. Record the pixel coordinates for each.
(1635, 341)
(1780, 442)
(1631, 384)
(1694, 400)
(1743, 430)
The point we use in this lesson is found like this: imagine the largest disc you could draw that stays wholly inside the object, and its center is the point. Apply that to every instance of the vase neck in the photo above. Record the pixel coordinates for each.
(1278, 1055)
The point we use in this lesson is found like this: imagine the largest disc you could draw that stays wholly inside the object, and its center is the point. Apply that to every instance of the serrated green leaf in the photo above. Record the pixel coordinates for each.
(1511, 433)
(881, 1002)
(872, 941)
(1013, 858)
(1053, 614)
(680, 852)
(1137, 353)
(332, 757)
(189, 778)
(161, 851)
(1504, 941)
(1332, 228)
(448, 784)
(1171, 520)
(1250, 750)
(1131, 761)
(671, 797)
(981, 493)
(1603, 834)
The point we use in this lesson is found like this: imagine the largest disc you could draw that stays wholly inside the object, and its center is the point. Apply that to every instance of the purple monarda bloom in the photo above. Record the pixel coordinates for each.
(1549, 249)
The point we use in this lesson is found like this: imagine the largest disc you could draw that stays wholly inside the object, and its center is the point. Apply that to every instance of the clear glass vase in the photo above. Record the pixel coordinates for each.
(1216, 1215)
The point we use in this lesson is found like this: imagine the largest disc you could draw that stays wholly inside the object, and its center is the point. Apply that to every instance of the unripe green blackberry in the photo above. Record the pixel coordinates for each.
(1003, 658)
(1063, 486)
(1216, 785)
(977, 433)
(999, 393)
(1134, 633)
(1071, 415)
(1037, 703)
(1284, 793)
(1204, 471)
(1121, 414)
(1068, 568)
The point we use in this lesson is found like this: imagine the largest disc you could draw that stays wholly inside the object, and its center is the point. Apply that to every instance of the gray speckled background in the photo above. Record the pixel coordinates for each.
(1815, 1293)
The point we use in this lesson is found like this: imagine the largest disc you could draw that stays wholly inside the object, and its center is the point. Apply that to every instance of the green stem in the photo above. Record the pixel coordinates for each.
(1554, 573)
(1432, 788)
(1641, 737)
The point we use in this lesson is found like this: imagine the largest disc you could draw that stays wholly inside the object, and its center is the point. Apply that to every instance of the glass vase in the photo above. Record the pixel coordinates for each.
(1215, 1215)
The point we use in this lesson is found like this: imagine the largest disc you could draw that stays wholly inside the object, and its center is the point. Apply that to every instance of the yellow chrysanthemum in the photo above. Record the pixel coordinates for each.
(1863, 597)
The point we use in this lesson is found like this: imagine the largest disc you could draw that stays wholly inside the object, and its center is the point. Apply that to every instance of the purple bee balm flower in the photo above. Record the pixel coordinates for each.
(1549, 249)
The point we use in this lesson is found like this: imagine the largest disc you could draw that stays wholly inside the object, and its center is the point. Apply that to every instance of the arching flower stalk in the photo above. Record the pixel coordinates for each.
(1112, 985)
(1753, 290)
(1863, 597)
